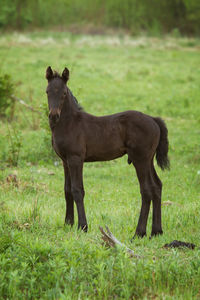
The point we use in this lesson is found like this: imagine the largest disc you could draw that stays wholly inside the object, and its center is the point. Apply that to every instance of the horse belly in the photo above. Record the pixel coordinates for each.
(104, 152)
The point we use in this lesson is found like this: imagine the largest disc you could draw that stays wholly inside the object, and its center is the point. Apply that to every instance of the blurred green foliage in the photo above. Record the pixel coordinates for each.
(14, 139)
(155, 17)
(6, 90)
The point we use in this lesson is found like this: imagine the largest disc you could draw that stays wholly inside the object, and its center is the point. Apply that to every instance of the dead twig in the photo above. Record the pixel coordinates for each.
(25, 104)
(111, 241)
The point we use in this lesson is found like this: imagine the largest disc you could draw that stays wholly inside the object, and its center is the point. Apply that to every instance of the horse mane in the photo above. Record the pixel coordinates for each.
(57, 75)
(75, 100)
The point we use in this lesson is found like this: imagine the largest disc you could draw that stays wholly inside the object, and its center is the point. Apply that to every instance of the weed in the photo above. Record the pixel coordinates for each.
(7, 105)
(35, 213)
(14, 145)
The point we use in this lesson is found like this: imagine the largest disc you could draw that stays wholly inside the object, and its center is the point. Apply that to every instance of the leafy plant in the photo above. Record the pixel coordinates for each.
(7, 105)
(35, 213)
(15, 142)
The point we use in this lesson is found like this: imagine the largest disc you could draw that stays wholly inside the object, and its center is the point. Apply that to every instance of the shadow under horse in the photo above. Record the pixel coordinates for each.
(79, 137)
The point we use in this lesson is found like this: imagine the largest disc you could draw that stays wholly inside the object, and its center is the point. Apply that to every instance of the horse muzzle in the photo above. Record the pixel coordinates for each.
(54, 116)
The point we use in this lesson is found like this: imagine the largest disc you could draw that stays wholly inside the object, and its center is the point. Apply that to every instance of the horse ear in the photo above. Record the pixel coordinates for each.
(49, 73)
(65, 75)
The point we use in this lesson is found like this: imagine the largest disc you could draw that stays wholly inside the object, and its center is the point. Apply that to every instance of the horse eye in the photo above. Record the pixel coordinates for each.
(64, 94)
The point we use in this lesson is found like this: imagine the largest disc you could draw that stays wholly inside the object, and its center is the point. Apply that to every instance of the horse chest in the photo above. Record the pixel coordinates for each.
(59, 148)
(65, 146)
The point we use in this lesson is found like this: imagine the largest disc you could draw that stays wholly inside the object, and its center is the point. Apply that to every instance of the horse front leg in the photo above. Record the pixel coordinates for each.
(69, 218)
(76, 171)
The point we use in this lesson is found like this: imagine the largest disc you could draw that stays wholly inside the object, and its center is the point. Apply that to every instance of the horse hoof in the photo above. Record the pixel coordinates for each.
(69, 223)
(84, 228)
(156, 233)
(138, 235)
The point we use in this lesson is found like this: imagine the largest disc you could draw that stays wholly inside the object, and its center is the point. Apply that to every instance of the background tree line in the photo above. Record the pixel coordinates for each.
(153, 16)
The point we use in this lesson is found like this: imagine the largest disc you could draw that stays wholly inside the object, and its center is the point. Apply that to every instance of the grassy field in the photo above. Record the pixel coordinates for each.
(42, 259)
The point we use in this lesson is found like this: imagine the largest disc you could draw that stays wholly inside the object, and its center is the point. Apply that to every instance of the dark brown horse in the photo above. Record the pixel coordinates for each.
(79, 137)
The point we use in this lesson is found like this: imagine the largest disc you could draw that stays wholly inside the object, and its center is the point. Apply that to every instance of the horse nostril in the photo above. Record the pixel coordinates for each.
(54, 117)
(57, 117)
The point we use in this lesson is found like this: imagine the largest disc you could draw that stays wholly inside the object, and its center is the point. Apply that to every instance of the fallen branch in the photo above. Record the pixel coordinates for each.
(25, 104)
(111, 241)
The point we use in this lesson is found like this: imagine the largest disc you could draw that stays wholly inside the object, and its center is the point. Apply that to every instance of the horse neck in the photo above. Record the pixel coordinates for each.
(69, 108)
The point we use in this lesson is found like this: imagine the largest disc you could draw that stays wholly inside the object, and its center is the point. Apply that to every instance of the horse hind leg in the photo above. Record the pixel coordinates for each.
(143, 174)
(156, 199)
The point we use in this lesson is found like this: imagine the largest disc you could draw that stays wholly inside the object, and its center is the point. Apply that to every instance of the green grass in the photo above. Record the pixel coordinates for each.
(42, 259)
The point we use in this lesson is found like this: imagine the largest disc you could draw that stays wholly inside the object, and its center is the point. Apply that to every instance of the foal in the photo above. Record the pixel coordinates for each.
(79, 137)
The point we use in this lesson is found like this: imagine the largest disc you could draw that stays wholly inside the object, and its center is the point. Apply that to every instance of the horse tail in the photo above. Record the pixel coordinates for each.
(163, 146)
